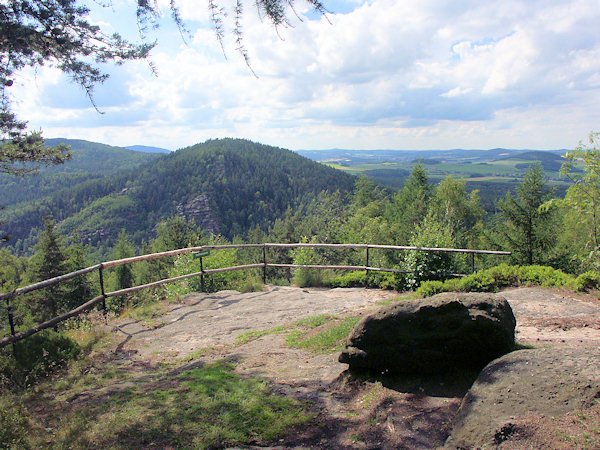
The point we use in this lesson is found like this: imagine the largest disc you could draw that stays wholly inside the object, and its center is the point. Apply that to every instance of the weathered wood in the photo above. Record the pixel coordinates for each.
(50, 323)
(229, 269)
(390, 247)
(313, 266)
(299, 244)
(436, 249)
(217, 247)
(316, 266)
(120, 262)
(48, 282)
(179, 278)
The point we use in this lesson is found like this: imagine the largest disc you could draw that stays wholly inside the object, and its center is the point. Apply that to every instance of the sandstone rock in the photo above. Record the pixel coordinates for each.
(198, 208)
(448, 331)
(540, 382)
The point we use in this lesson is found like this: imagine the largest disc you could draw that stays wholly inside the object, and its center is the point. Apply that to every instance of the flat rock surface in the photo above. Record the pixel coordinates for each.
(548, 317)
(349, 414)
(208, 320)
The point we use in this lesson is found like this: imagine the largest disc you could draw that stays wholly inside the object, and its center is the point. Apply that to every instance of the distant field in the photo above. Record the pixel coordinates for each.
(492, 173)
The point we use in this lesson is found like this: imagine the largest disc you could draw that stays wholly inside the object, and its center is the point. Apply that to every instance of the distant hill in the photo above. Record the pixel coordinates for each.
(227, 186)
(550, 161)
(348, 157)
(91, 160)
(147, 149)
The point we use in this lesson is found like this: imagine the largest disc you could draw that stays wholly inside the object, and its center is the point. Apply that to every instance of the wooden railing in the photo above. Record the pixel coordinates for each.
(17, 336)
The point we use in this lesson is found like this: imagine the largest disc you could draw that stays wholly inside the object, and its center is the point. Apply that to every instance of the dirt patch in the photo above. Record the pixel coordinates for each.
(356, 412)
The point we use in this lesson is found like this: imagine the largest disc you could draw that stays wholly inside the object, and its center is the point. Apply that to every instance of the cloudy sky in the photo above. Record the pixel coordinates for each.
(403, 74)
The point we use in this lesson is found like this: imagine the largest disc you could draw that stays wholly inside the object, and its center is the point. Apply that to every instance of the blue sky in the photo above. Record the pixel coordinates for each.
(422, 74)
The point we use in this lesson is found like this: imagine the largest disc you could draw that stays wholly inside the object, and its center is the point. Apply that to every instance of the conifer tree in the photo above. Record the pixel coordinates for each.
(410, 204)
(123, 249)
(526, 228)
(79, 288)
(48, 262)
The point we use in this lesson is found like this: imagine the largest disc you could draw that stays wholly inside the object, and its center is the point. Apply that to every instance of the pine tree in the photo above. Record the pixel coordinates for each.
(79, 288)
(48, 262)
(123, 249)
(527, 229)
(410, 204)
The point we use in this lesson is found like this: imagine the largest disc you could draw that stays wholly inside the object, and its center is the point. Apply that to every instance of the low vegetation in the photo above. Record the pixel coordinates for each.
(328, 337)
(504, 275)
(84, 401)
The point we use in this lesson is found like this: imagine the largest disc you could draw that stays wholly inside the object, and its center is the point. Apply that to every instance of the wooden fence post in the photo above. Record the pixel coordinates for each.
(201, 276)
(472, 262)
(11, 322)
(367, 265)
(100, 272)
(265, 264)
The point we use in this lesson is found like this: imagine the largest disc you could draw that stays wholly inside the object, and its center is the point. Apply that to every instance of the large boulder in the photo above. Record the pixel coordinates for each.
(522, 386)
(449, 331)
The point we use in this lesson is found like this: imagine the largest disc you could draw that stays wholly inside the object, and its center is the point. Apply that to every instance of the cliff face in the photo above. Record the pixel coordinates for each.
(198, 208)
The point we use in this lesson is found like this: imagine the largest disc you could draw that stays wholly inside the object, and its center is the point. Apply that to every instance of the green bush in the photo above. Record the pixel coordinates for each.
(14, 424)
(305, 277)
(359, 278)
(37, 356)
(433, 287)
(544, 276)
(239, 279)
(586, 281)
(423, 266)
(502, 276)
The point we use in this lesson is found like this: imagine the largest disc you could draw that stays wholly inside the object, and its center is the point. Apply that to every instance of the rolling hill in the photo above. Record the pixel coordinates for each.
(91, 160)
(227, 186)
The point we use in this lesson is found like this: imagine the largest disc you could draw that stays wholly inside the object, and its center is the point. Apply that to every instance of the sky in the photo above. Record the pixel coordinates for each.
(378, 74)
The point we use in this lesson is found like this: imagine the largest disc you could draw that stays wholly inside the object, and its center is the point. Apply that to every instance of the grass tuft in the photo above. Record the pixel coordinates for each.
(331, 338)
(252, 335)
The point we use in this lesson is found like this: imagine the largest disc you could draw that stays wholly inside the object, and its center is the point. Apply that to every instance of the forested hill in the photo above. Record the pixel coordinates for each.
(227, 186)
(90, 160)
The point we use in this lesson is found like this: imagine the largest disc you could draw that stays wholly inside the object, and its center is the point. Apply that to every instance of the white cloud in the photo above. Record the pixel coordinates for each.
(385, 74)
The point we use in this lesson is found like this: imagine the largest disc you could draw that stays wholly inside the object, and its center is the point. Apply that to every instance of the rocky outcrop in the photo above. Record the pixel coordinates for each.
(448, 331)
(542, 382)
(198, 208)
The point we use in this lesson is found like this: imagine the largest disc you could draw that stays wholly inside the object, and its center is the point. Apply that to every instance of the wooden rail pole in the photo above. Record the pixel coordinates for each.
(264, 249)
(367, 265)
(101, 273)
(472, 262)
(11, 322)
(201, 275)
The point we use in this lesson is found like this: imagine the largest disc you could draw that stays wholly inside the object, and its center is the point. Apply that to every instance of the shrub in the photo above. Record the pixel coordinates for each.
(37, 356)
(502, 276)
(429, 288)
(544, 276)
(359, 278)
(305, 277)
(187, 263)
(425, 266)
(586, 281)
(14, 424)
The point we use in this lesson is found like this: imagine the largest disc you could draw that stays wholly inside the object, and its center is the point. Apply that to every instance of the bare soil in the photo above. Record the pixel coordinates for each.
(351, 411)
